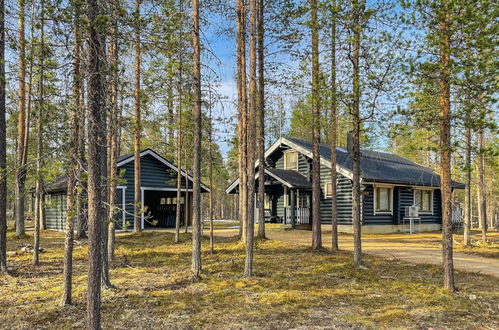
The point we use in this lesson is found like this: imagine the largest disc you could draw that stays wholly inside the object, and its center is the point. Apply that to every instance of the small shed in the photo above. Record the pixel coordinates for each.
(158, 194)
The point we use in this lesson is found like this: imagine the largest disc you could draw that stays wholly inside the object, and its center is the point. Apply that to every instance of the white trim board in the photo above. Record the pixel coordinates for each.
(162, 160)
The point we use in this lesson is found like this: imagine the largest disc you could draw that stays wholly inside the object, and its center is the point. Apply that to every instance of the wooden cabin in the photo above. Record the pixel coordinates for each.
(389, 183)
(158, 194)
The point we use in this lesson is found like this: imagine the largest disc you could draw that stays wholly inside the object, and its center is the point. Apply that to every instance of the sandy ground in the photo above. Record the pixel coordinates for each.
(415, 248)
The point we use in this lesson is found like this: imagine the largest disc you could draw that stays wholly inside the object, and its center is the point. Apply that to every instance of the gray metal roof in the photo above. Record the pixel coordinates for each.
(382, 166)
(293, 178)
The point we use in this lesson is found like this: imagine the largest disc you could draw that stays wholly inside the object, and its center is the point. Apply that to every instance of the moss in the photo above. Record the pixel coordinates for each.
(293, 287)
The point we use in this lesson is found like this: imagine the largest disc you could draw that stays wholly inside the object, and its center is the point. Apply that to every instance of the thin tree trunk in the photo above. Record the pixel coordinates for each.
(445, 146)
(179, 133)
(80, 195)
(467, 190)
(97, 106)
(137, 227)
(316, 178)
(3, 148)
(39, 136)
(113, 131)
(261, 120)
(251, 141)
(243, 111)
(21, 130)
(196, 219)
(356, 213)
(73, 166)
(481, 187)
(210, 169)
(334, 132)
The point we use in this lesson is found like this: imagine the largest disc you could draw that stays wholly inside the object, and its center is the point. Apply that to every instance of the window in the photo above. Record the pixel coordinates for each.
(291, 160)
(328, 189)
(383, 199)
(267, 202)
(162, 201)
(423, 199)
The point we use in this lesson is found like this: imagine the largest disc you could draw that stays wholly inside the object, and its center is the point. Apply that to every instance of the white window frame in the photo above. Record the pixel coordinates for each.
(431, 200)
(326, 196)
(286, 197)
(286, 159)
(391, 187)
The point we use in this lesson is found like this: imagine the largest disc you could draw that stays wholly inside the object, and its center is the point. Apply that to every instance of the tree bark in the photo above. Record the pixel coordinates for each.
(196, 219)
(261, 120)
(73, 166)
(137, 226)
(21, 128)
(467, 190)
(243, 112)
(445, 149)
(251, 141)
(113, 130)
(482, 187)
(358, 8)
(179, 133)
(334, 132)
(39, 136)
(210, 169)
(316, 175)
(3, 147)
(97, 135)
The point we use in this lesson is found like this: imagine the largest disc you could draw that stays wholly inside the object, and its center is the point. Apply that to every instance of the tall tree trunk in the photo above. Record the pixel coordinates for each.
(3, 148)
(334, 131)
(242, 106)
(113, 130)
(445, 146)
(196, 219)
(21, 127)
(39, 133)
(358, 8)
(210, 169)
(179, 132)
(137, 226)
(251, 141)
(467, 190)
(80, 192)
(316, 120)
(74, 167)
(97, 106)
(482, 192)
(261, 119)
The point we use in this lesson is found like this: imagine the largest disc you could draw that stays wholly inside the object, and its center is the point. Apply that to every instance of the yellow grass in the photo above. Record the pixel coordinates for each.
(292, 287)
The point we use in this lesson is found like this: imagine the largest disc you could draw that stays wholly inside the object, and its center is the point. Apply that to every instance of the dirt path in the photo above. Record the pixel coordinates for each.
(417, 248)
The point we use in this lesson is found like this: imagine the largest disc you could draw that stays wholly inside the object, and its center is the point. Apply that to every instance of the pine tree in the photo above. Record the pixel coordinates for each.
(73, 165)
(357, 9)
(242, 106)
(22, 132)
(137, 227)
(97, 106)
(334, 130)
(251, 142)
(316, 119)
(261, 119)
(3, 148)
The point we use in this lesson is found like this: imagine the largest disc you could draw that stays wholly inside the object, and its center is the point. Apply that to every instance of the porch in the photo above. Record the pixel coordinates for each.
(287, 197)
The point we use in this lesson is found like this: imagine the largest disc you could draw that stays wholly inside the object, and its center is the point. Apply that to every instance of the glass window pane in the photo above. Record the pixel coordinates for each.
(426, 200)
(291, 160)
(417, 198)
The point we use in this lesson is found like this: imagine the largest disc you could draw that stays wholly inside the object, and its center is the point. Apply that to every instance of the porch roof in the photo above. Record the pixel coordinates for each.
(289, 178)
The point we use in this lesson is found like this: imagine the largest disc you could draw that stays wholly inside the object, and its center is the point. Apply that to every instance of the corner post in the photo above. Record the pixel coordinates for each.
(292, 207)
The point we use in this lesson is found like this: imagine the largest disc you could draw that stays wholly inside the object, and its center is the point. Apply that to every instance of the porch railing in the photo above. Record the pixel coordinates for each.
(302, 215)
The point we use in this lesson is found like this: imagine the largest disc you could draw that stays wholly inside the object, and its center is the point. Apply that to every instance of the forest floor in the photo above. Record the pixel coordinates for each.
(293, 287)
(418, 248)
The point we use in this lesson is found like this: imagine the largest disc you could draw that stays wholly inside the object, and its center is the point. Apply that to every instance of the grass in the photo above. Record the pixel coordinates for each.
(293, 287)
